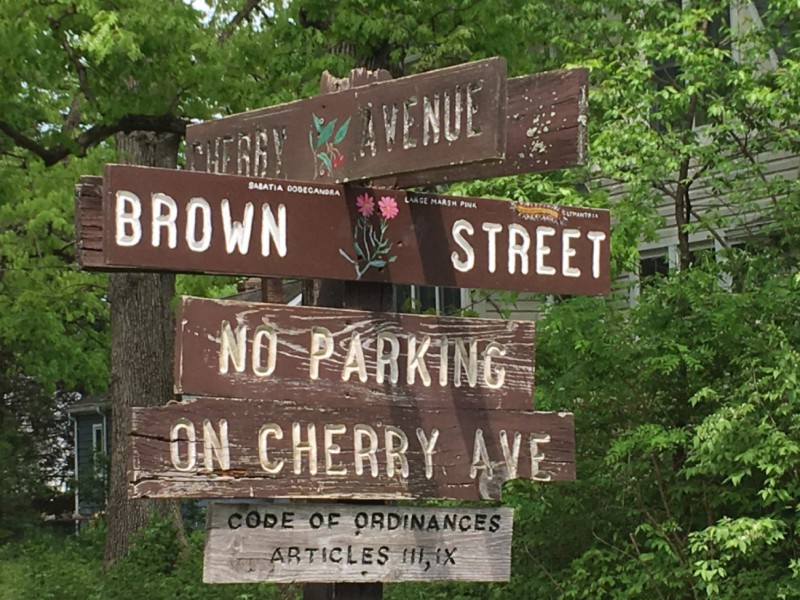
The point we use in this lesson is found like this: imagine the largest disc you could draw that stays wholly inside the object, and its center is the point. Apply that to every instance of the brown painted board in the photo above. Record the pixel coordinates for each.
(162, 219)
(331, 356)
(546, 129)
(441, 118)
(285, 543)
(287, 448)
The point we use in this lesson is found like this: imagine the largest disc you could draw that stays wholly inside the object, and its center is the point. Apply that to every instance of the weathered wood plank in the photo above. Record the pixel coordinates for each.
(285, 543)
(160, 219)
(234, 448)
(331, 356)
(441, 118)
(546, 129)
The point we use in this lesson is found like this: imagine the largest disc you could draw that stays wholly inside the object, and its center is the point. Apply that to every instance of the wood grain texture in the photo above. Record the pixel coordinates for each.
(154, 471)
(390, 129)
(546, 129)
(285, 543)
(427, 240)
(204, 367)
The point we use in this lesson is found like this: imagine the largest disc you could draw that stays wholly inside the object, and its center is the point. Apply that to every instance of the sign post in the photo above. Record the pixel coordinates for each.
(357, 405)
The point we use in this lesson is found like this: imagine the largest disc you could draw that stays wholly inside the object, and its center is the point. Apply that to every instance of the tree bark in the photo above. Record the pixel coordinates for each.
(142, 342)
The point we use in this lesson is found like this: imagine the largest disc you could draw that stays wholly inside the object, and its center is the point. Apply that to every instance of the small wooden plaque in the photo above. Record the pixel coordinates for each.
(285, 543)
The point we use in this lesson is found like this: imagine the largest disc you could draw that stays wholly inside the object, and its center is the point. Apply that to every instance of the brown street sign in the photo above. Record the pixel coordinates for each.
(234, 448)
(161, 219)
(441, 118)
(285, 543)
(546, 129)
(340, 357)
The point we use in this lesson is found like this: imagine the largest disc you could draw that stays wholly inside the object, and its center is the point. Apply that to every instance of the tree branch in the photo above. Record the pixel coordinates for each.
(167, 123)
(249, 7)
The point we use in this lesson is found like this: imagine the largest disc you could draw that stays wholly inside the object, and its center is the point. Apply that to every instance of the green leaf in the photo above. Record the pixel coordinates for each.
(325, 134)
(327, 161)
(317, 122)
(341, 132)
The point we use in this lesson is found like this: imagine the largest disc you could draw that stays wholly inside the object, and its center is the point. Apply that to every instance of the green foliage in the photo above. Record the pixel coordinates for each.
(46, 568)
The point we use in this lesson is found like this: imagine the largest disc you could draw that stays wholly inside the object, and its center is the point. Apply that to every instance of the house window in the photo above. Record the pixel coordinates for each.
(652, 267)
(423, 299)
(98, 448)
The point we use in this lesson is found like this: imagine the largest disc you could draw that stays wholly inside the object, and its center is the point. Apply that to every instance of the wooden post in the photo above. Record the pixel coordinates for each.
(365, 296)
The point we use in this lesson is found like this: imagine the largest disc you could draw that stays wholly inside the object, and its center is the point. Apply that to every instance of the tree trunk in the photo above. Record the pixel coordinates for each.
(142, 341)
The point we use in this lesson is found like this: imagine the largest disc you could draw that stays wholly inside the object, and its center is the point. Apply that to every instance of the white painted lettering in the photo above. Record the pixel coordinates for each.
(390, 125)
(183, 425)
(462, 225)
(194, 206)
(164, 221)
(596, 237)
(518, 248)
(267, 332)
(451, 135)
(215, 445)
(567, 252)
(493, 349)
(511, 456)
(408, 122)
(272, 230)
(237, 234)
(430, 120)
(472, 108)
(128, 212)
(331, 449)
(359, 433)
(536, 457)
(480, 457)
(543, 250)
(299, 446)
(492, 229)
(428, 444)
(416, 360)
(232, 347)
(270, 429)
(387, 359)
(468, 362)
(355, 363)
(321, 348)
(396, 452)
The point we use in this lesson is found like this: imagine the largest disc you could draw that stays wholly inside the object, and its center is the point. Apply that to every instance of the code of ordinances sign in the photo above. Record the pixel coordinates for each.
(285, 543)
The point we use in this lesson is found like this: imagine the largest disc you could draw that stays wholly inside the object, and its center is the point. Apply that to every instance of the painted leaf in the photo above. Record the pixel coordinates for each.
(317, 122)
(325, 133)
(377, 263)
(341, 132)
(327, 161)
(343, 253)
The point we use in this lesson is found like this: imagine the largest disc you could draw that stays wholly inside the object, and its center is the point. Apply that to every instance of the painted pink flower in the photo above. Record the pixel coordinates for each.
(365, 205)
(388, 206)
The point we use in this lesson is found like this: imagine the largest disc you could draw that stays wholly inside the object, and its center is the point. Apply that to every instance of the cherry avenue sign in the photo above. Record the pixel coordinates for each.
(284, 543)
(161, 219)
(437, 119)
(291, 448)
(336, 357)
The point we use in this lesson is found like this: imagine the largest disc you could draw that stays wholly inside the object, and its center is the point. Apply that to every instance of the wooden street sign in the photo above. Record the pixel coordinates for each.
(441, 118)
(288, 448)
(285, 543)
(546, 129)
(338, 357)
(160, 219)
